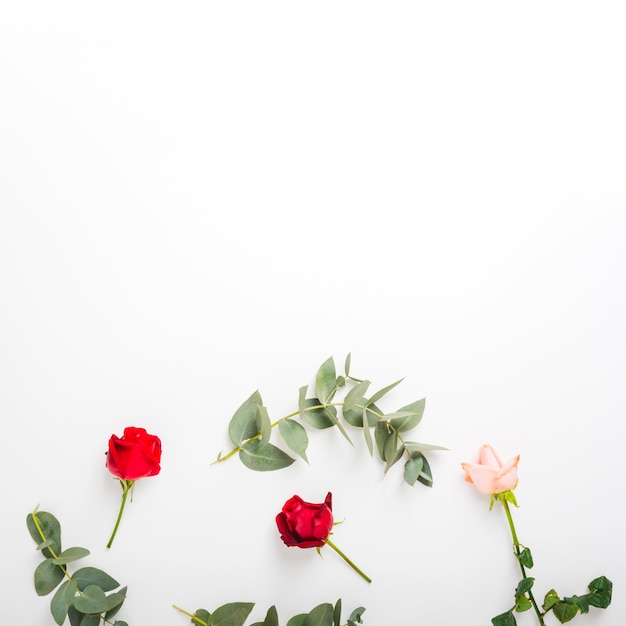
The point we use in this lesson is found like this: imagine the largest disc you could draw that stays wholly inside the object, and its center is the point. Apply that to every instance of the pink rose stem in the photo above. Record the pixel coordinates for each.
(348, 561)
(516, 544)
(126, 486)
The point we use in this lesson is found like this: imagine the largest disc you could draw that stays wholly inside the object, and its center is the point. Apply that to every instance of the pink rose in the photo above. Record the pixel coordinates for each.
(490, 475)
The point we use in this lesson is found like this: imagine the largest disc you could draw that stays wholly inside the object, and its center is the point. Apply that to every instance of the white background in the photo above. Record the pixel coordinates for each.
(199, 199)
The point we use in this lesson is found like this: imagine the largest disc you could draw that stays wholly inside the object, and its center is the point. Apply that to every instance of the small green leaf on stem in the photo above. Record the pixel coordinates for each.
(504, 619)
(264, 457)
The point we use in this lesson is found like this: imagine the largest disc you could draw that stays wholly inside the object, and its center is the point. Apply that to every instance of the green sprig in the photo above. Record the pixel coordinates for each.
(250, 427)
(236, 613)
(82, 597)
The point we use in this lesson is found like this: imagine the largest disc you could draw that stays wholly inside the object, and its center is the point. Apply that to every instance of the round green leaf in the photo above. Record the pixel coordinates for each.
(61, 601)
(71, 554)
(92, 601)
(47, 577)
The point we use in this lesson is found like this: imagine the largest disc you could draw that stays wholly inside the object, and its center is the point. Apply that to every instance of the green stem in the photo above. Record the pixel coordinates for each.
(348, 561)
(516, 545)
(195, 619)
(126, 486)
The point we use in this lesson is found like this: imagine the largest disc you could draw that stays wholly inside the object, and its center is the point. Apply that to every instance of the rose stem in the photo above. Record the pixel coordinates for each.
(516, 544)
(126, 487)
(348, 561)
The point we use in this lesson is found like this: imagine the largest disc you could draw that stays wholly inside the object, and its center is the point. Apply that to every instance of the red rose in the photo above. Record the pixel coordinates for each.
(134, 455)
(305, 524)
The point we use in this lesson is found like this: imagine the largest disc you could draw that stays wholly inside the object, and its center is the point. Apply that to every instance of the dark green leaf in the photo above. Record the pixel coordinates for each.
(600, 584)
(525, 585)
(297, 620)
(120, 623)
(47, 577)
(582, 602)
(319, 417)
(263, 423)
(74, 616)
(243, 423)
(354, 416)
(325, 381)
(114, 602)
(564, 612)
(50, 528)
(381, 392)
(321, 615)
(71, 554)
(61, 601)
(600, 599)
(271, 617)
(355, 396)
(92, 600)
(203, 615)
(264, 457)
(550, 599)
(526, 558)
(355, 616)
(504, 619)
(232, 614)
(295, 436)
(382, 432)
(337, 613)
(91, 576)
(412, 469)
(91, 620)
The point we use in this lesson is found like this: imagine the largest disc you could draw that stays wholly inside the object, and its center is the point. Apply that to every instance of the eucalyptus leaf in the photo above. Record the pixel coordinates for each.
(203, 615)
(243, 423)
(92, 600)
(337, 613)
(356, 615)
(295, 436)
(404, 420)
(346, 366)
(120, 623)
(413, 468)
(47, 577)
(385, 390)
(297, 620)
(264, 457)
(325, 381)
(263, 423)
(382, 432)
(414, 447)
(92, 576)
(355, 396)
(426, 476)
(90, 620)
(390, 448)
(271, 617)
(319, 417)
(354, 416)
(302, 399)
(62, 600)
(417, 408)
(232, 614)
(392, 460)
(114, 602)
(321, 615)
(51, 530)
(367, 435)
(70, 555)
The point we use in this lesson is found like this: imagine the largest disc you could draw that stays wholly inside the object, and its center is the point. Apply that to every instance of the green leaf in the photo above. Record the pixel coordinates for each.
(346, 366)
(263, 423)
(582, 602)
(391, 461)
(509, 496)
(264, 457)
(367, 435)
(390, 448)
(600, 584)
(115, 601)
(565, 612)
(61, 601)
(415, 407)
(354, 416)
(271, 617)
(74, 616)
(91, 576)
(243, 423)
(412, 469)
(90, 620)
(525, 585)
(51, 530)
(320, 417)
(47, 577)
(120, 623)
(526, 558)
(522, 603)
(337, 613)
(295, 436)
(504, 619)
(302, 400)
(232, 614)
(355, 396)
(92, 600)
(321, 615)
(71, 554)
(381, 392)
(355, 616)
(203, 615)
(551, 598)
(426, 475)
(382, 432)
(325, 381)
(297, 620)
(414, 447)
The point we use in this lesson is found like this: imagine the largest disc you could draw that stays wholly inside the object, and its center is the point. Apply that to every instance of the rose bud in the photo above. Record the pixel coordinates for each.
(490, 475)
(134, 455)
(308, 525)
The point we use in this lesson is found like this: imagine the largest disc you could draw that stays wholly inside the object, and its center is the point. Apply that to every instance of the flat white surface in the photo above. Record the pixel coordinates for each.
(201, 199)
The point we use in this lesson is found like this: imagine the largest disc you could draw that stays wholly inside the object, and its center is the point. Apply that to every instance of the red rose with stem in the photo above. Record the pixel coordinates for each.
(134, 455)
(308, 525)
